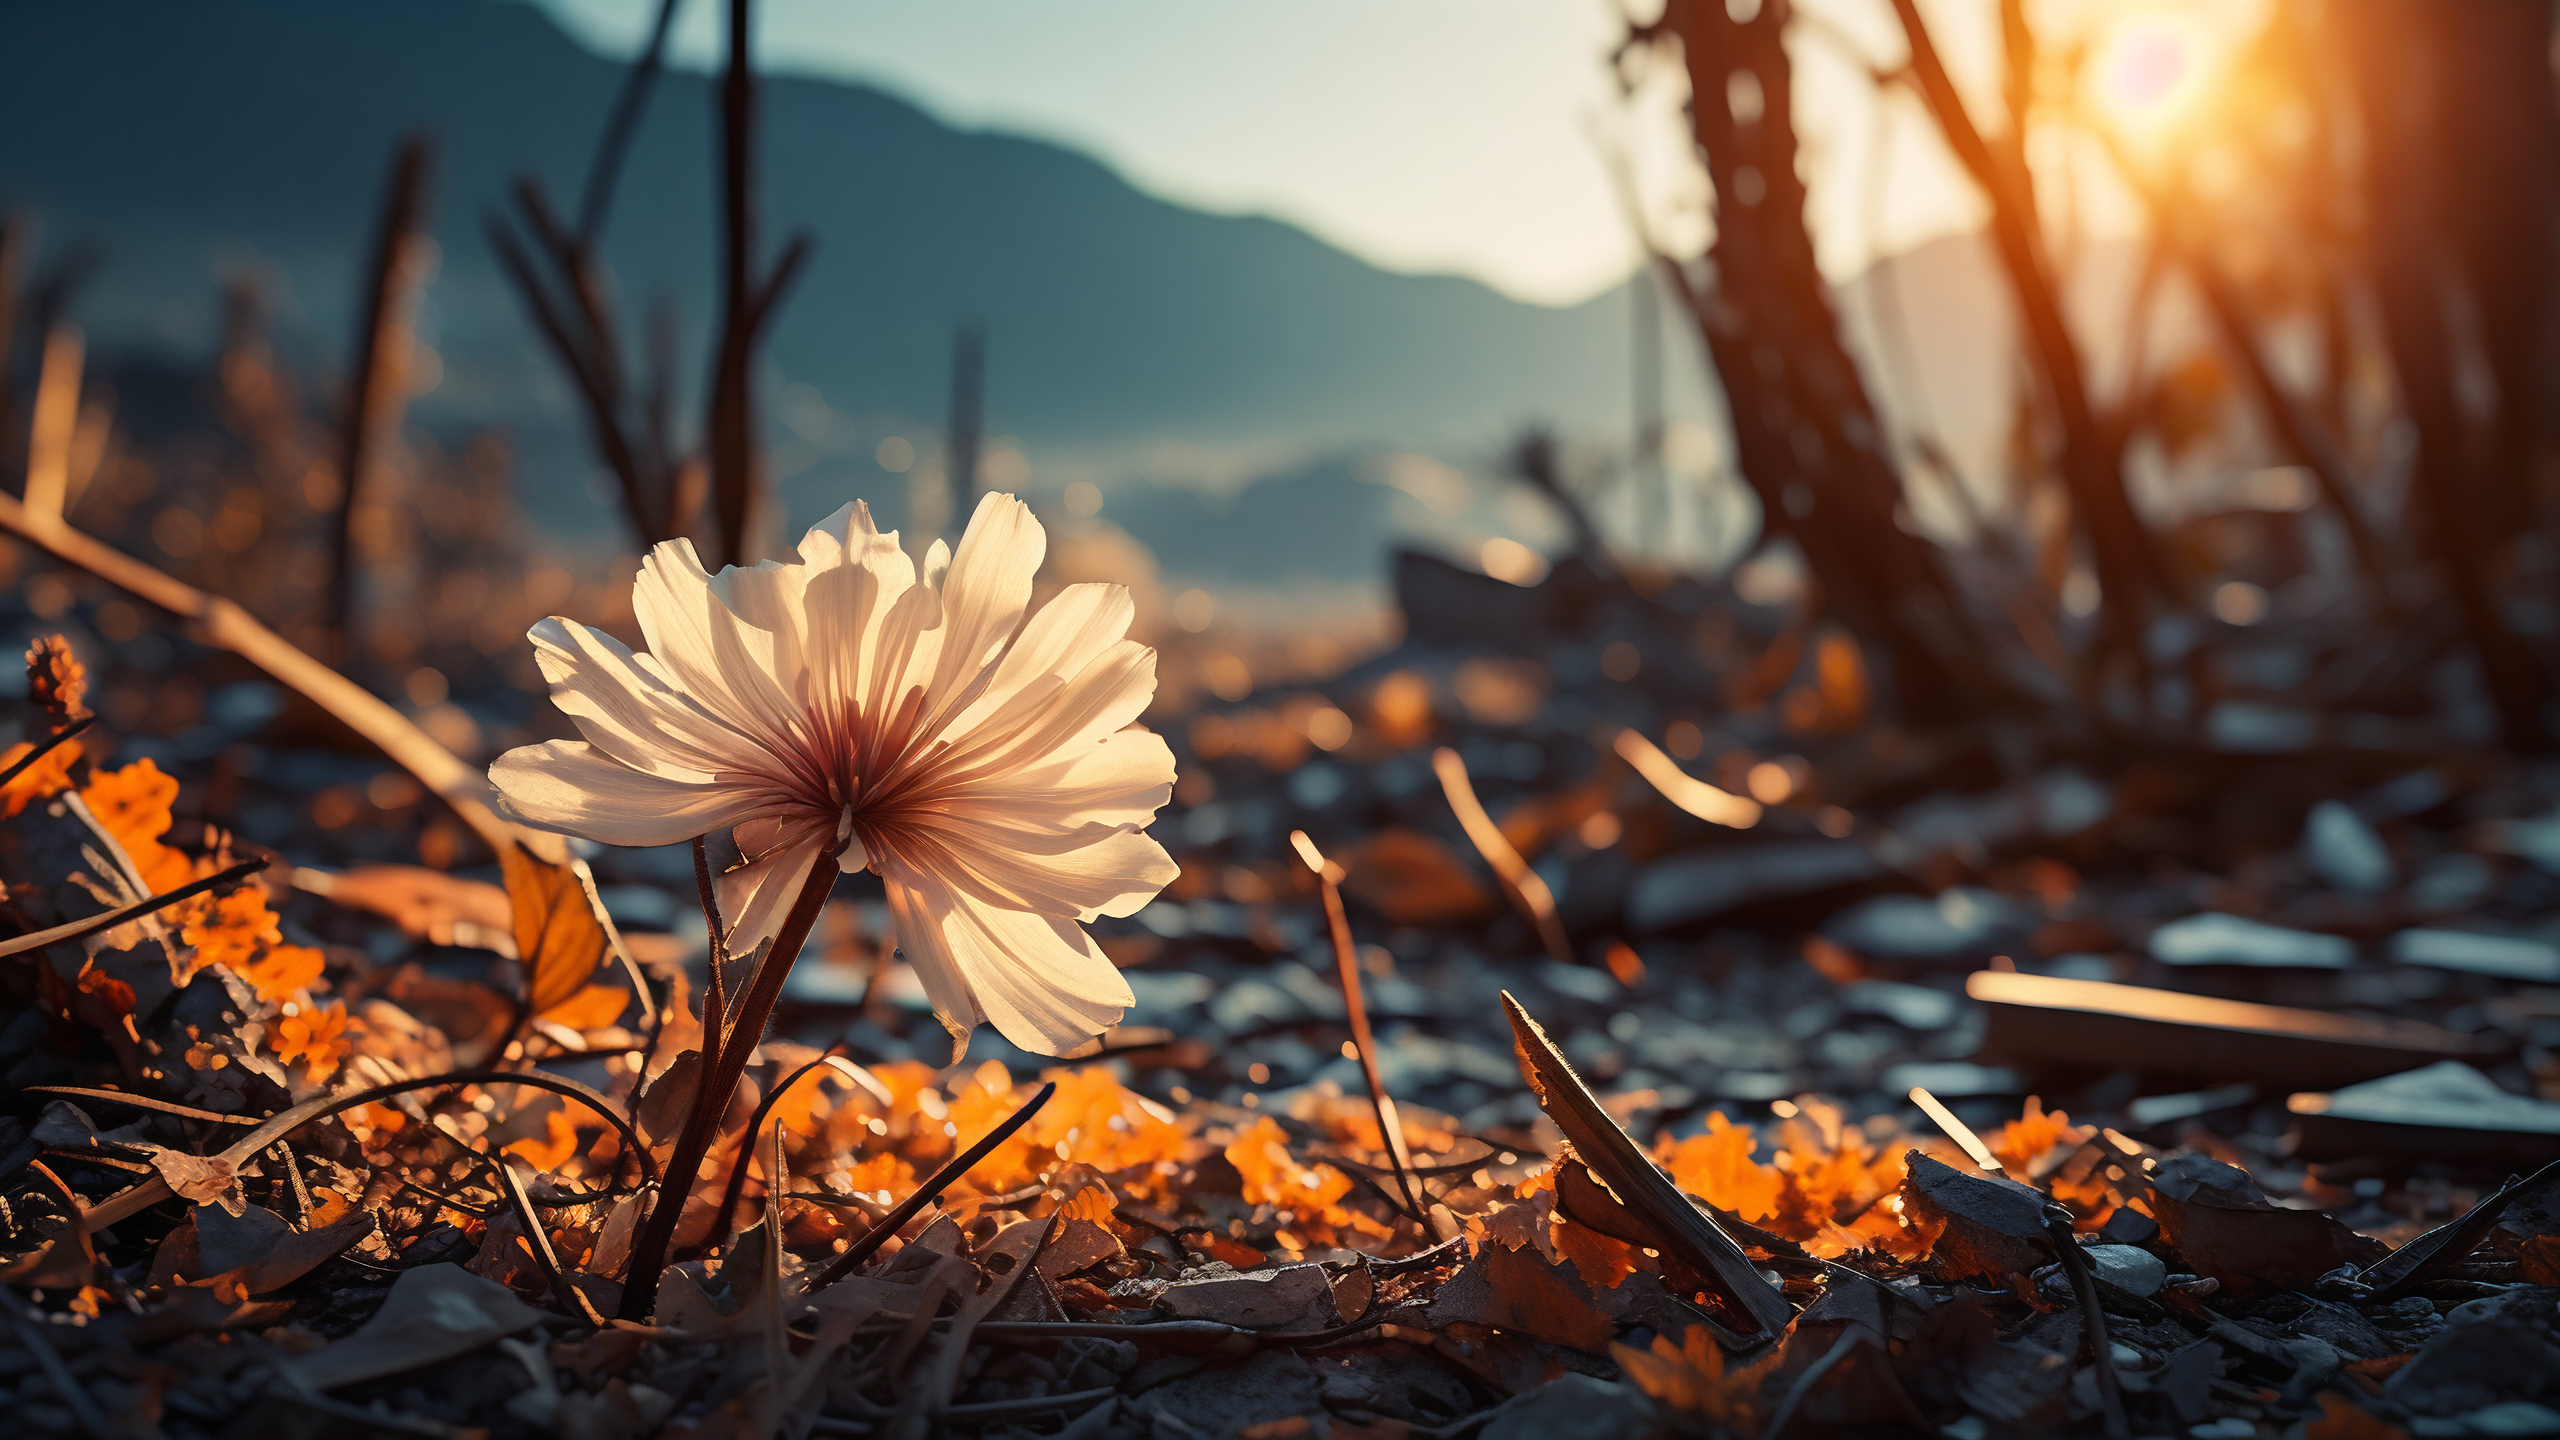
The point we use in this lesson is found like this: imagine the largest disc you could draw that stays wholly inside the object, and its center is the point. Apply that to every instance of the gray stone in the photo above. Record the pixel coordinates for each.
(2344, 851)
(2508, 957)
(1961, 923)
(1700, 884)
(1574, 1407)
(2130, 1269)
(1914, 1007)
(2447, 1095)
(2214, 938)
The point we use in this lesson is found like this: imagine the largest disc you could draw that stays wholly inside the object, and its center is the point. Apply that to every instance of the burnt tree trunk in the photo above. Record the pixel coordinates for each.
(1805, 432)
(2455, 105)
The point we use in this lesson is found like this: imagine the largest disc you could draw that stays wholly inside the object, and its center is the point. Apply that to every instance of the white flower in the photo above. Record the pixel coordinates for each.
(840, 709)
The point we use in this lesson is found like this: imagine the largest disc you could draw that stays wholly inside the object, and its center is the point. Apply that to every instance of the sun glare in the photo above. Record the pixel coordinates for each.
(2149, 73)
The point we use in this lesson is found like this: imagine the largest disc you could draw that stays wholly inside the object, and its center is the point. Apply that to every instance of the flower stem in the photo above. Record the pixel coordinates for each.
(720, 1078)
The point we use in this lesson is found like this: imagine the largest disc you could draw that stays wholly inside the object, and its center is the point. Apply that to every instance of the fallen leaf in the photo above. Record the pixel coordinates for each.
(198, 1179)
(558, 940)
(426, 904)
(434, 1312)
(1678, 1228)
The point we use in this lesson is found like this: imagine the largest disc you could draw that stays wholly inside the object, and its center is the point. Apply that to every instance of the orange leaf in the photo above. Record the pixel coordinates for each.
(283, 970)
(1717, 1167)
(551, 1152)
(557, 936)
(316, 1037)
(45, 777)
(591, 1008)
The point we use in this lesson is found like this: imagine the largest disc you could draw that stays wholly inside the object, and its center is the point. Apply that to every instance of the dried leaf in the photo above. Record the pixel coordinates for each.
(426, 904)
(434, 1312)
(558, 940)
(2541, 1257)
(200, 1180)
(1678, 1227)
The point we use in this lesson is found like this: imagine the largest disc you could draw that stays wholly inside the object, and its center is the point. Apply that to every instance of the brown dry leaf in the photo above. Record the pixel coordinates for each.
(1517, 1290)
(426, 904)
(1411, 878)
(2541, 1257)
(1691, 1377)
(1676, 1226)
(2343, 1419)
(557, 937)
(198, 1179)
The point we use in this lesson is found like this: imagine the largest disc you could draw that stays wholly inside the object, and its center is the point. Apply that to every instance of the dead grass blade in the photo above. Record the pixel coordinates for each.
(1346, 961)
(57, 415)
(941, 1180)
(1716, 807)
(214, 620)
(1958, 1131)
(863, 1079)
(142, 1197)
(2057, 1228)
(539, 1240)
(45, 747)
(613, 939)
(1528, 893)
(1678, 1227)
(113, 918)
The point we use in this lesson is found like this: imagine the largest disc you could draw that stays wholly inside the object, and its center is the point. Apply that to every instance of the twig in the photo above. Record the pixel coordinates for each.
(380, 379)
(715, 1000)
(45, 747)
(737, 1185)
(1958, 1131)
(275, 1127)
(293, 1174)
(1707, 802)
(2057, 1227)
(539, 1238)
(1346, 962)
(941, 1180)
(620, 127)
(57, 415)
(2129, 566)
(2296, 426)
(613, 937)
(135, 911)
(147, 1102)
(1528, 892)
(215, 621)
(719, 1082)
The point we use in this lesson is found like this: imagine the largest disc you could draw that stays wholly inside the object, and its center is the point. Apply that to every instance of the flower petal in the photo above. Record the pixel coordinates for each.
(1069, 633)
(572, 787)
(1121, 782)
(702, 646)
(630, 713)
(1041, 981)
(755, 896)
(986, 592)
(1094, 871)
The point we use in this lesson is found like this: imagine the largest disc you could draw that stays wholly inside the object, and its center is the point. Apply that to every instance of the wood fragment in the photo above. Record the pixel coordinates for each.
(1679, 1227)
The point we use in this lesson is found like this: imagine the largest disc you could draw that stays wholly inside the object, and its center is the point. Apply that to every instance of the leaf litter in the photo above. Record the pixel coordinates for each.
(366, 1148)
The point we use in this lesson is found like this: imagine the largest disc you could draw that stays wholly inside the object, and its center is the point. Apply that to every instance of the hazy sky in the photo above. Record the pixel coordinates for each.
(1422, 135)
